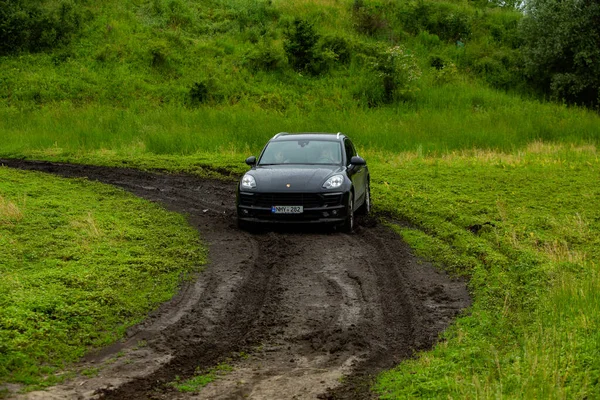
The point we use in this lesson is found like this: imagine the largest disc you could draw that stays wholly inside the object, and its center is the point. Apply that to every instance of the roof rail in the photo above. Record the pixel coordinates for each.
(279, 134)
(338, 134)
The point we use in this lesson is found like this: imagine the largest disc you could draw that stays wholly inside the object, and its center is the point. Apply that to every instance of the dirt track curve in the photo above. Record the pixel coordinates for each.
(297, 313)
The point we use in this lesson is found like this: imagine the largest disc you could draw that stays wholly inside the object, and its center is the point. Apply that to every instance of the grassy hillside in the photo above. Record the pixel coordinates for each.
(175, 76)
(432, 92)
(182, 52)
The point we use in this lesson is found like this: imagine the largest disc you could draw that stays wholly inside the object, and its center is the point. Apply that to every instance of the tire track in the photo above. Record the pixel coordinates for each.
(310, 307)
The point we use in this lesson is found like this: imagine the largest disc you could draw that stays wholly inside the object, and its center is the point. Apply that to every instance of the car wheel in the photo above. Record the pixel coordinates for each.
(365, 208)
(348, 224)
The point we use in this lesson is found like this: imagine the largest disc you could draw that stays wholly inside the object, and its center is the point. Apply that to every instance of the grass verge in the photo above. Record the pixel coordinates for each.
(80, 262)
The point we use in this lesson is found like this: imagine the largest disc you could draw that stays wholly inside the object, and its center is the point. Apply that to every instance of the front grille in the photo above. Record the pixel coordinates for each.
(307, 200)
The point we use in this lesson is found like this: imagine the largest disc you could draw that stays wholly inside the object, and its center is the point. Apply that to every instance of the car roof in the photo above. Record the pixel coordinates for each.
(283, 136)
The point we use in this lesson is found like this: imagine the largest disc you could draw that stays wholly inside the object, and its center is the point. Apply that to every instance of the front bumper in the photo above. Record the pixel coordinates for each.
(322, 215)
(325, 212)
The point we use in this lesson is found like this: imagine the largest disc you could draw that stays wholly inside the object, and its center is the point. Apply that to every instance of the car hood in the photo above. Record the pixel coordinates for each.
(300, 178)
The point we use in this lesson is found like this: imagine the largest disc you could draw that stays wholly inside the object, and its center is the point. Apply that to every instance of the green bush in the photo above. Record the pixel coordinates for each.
(265, 56)
(367, 20)
(305, 51)
(561, 49)
(445, 71)
(339, 46)
(428, 40)
(199, 93)
(503, 27)
(205, 91)
(450, 22)
(391, 74)
(37, 25)
(300, 44)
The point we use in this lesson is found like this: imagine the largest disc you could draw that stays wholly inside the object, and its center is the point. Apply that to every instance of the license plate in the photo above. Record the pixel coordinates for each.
(287, 209)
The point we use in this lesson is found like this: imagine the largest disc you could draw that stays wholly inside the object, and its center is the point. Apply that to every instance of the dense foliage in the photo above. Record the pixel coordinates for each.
(35, 25)
(562, 48)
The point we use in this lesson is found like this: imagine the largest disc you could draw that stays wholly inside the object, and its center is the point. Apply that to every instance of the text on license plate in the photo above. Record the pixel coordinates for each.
(287, 209)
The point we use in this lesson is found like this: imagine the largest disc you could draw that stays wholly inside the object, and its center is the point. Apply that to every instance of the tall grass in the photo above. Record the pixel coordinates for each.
(443, 119)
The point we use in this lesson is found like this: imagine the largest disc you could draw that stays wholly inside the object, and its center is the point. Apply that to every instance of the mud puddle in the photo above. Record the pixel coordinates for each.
(294, 314)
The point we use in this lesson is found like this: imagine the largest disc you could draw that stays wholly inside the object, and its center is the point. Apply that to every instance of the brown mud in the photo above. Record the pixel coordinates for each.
(296, 312)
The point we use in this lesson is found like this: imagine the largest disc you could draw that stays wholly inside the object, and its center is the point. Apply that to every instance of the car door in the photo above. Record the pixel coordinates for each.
(357, 173)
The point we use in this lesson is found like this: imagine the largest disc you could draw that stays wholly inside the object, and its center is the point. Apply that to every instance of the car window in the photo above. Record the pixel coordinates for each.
(302, 152)
(350, 152)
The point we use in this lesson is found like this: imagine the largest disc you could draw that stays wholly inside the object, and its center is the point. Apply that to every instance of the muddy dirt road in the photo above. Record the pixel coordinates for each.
(297, 313)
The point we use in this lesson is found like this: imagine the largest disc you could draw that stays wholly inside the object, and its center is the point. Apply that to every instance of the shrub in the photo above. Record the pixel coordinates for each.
(450, 22)
(437, 62)
(339, 46)
(561, 49)
(454, 26)
(199, 93)
(257, 33)
(35, 26)
(446, 74)
(392, 75)
(367, 20)
(266, 57)
(429, 40)
(300, 44)
(304, 50)
(273, 101)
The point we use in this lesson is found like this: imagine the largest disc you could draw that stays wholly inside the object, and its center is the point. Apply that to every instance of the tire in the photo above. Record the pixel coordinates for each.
(348, 224)
(365, 208)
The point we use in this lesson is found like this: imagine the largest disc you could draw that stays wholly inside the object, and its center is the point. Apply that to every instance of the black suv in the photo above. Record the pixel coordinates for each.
(305, 177)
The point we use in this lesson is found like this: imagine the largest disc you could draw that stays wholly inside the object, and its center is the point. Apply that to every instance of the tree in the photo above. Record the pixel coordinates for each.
(562, 48)
(300, 44)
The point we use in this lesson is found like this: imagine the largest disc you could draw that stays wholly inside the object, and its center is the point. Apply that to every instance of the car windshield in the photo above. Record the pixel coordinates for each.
(302, 152)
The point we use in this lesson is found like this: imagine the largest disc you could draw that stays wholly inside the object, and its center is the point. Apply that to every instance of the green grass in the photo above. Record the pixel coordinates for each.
(453, 153)
(80, 263)
(534, 274)
(196, 383)
(450, 118)
(533, 329)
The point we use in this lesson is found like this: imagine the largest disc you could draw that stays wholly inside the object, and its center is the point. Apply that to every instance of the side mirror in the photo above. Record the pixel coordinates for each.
(251, 160)
(356, 160)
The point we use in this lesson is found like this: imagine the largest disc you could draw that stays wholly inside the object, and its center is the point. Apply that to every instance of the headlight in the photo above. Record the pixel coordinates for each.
(333, 182)
(248, 182)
